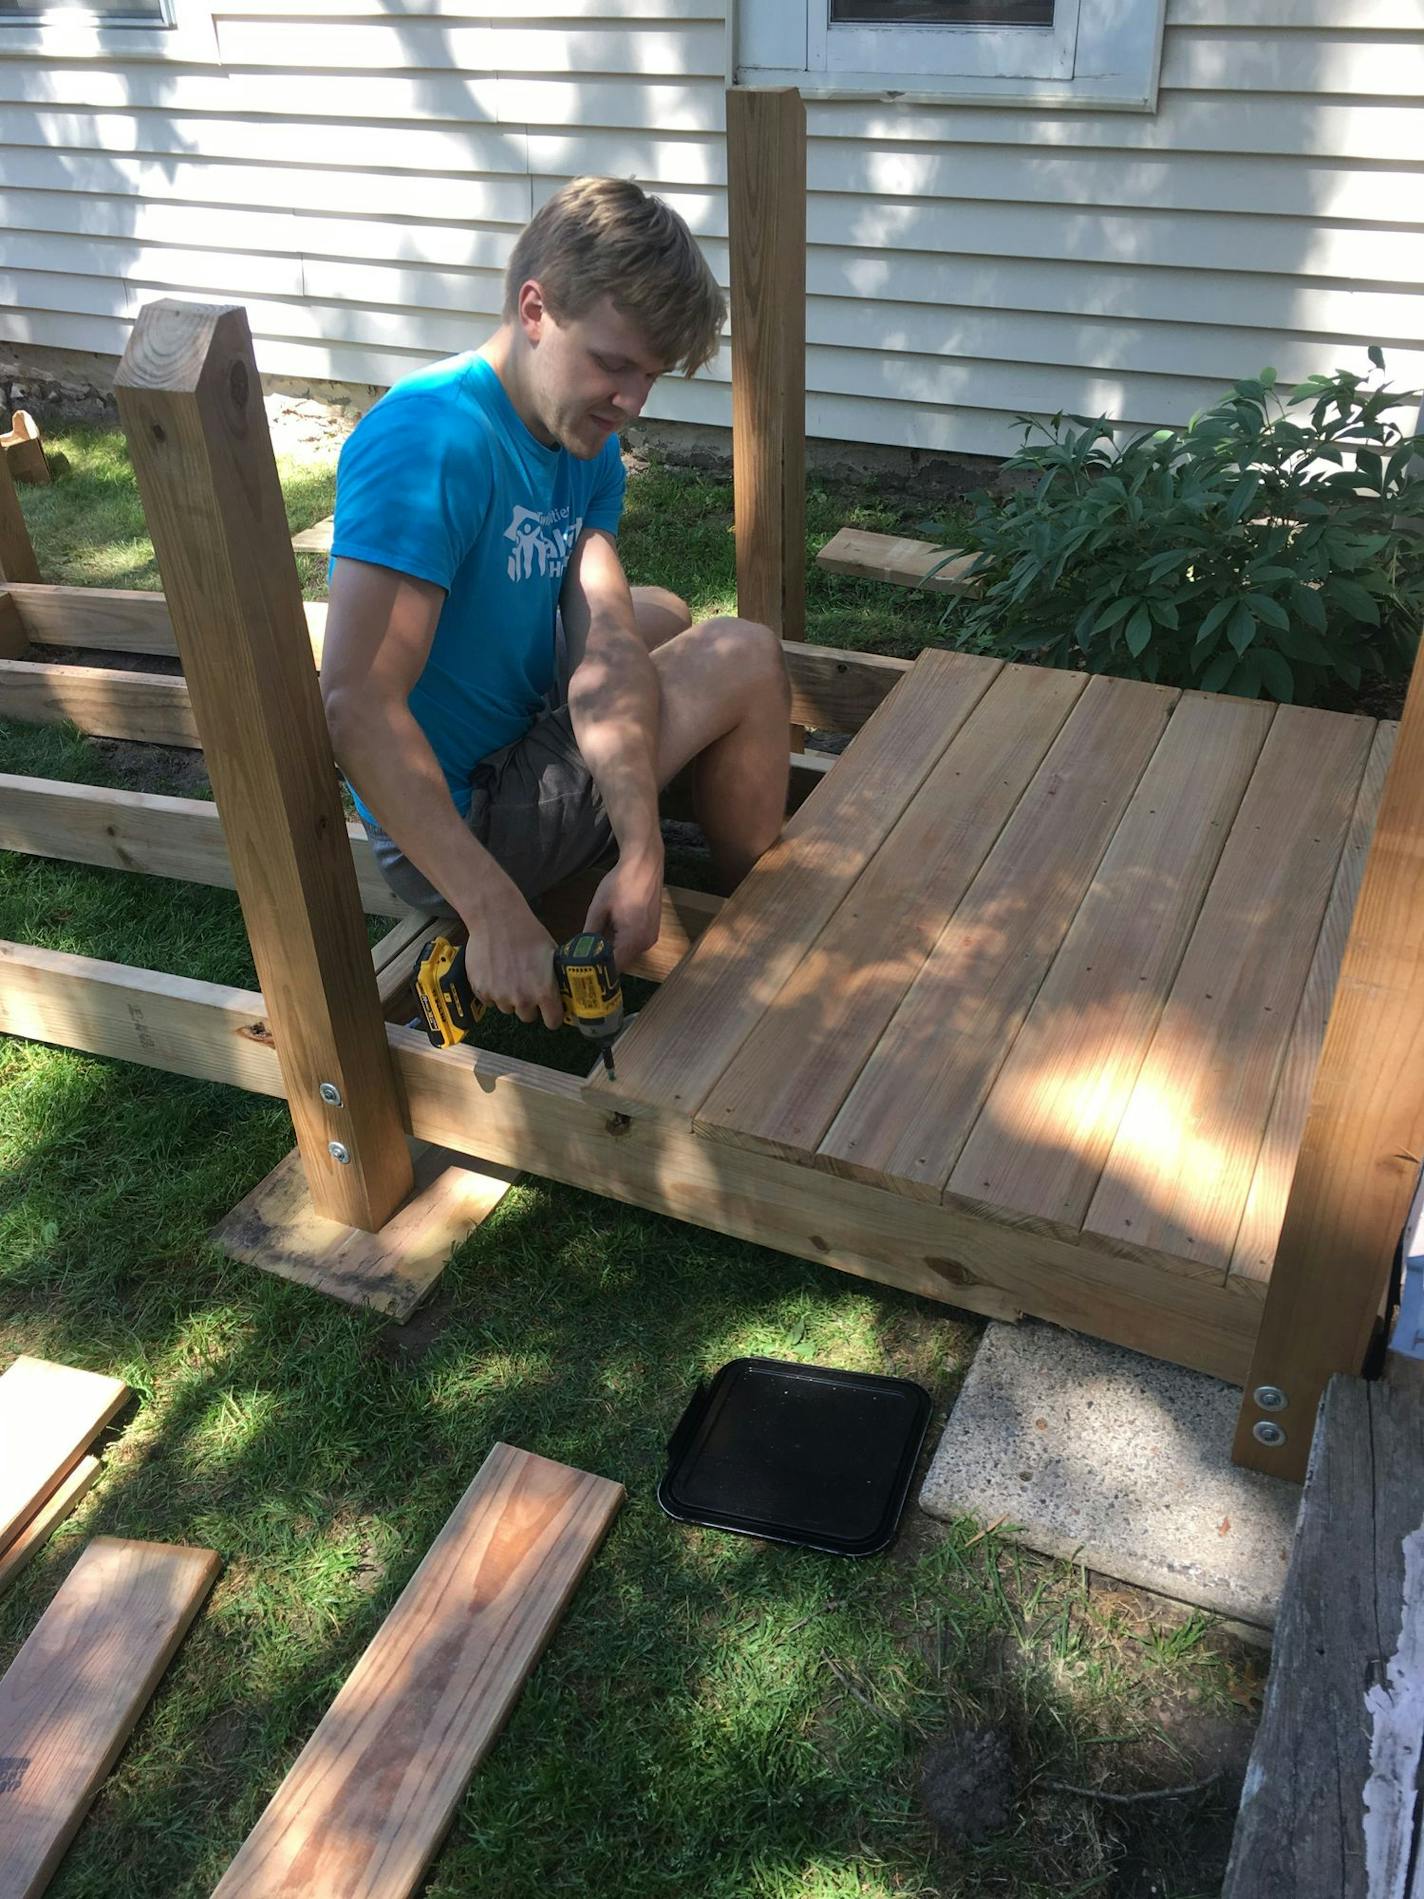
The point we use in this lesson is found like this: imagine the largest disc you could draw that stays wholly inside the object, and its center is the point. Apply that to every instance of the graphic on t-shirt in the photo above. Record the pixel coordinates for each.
(541, 546)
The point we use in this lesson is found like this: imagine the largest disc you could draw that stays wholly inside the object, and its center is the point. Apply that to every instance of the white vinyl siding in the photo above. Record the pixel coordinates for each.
(356, 174)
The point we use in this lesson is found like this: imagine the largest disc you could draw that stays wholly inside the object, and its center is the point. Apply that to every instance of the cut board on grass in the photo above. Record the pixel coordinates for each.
(316, 539)
(73, 1693)
(55, 1508)
(370, 1796)
(906, 563)
(276, 1228)
(49, 1415)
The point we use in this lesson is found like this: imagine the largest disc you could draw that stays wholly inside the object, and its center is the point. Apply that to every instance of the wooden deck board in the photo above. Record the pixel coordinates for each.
(911, 1110)
(783, 1089)
(1266, 1202)
(671, 1056)
(1048, 1124)
(1176, 1180)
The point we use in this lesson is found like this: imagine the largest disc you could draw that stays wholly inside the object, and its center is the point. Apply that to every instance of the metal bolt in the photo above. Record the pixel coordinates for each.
(1270, 1397)
(330, 1094)
(339, 1152)
(1268, 1433)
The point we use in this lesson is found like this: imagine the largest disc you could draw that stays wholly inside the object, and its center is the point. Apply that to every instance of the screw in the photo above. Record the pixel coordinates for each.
(1268, 1433)
(339, 1152)
(1270, 1397)
(330, 1094)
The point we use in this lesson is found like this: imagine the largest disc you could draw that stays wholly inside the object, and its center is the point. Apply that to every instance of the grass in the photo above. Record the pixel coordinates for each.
(713, 1717)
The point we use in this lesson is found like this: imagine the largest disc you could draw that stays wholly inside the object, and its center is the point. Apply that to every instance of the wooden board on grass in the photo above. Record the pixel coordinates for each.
(49, 1415)
(369, 1798)
(906, 563)
(73, 1693)
(52, 1512)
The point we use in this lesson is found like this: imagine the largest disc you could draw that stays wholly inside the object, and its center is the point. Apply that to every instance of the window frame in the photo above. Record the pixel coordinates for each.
(188, 34)
(1097, 56)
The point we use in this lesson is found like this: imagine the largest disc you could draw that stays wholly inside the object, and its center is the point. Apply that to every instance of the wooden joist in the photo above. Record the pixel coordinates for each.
(906, 563)
(149, 707)
(1331, 1802)
(73, 1693)
(832, 689)
(17, 553)
(370, 1796)
(49, 1416)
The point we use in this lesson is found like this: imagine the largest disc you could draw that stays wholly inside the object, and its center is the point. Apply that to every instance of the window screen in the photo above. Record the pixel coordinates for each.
(942, 12)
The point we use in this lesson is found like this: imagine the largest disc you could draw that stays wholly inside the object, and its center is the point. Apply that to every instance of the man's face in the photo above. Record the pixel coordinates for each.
(590, 375)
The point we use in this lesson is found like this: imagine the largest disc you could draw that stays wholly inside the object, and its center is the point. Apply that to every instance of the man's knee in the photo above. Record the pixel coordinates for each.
(752, 653)
(661, 615)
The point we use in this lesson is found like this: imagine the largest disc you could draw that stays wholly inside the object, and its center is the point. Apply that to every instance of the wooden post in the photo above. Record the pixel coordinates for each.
(766, 194)
(17, 554)
(191, 405)
(1364, 1139)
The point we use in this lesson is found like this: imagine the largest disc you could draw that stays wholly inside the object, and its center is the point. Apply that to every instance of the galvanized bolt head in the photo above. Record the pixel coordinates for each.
(330, 1094)
(339, 1152)
(1269, 1397)
(1267, 1432)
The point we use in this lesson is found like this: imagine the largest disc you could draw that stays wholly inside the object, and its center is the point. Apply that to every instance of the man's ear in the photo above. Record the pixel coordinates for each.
(531, 310)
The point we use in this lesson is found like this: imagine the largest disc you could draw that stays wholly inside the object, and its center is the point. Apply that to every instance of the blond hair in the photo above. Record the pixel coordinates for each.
(606, 237)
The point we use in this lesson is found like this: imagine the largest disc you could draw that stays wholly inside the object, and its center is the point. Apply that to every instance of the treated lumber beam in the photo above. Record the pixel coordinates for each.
(149, 707)
(1330, 1807)
(905, 563)
(17, 553)
(147, 832)
(49, 1416)
(766, 212)
(51, 1513)
(24, 451)
(73, 1693)
(191, 405)
(372, 1793)
(519, 1115)
(1359, 1157)
(14, 641)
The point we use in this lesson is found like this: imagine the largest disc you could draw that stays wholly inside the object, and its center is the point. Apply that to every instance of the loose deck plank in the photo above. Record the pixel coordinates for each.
(76, 1688)
(1329, 1809)
(782, 1090)
(372, 1792)
(1261, 1222)
(910, 1112)
(49, 1415)
(670, 1057)
(892, 557)
(1176, 1179)
(1048, 1124)
(33, 1535)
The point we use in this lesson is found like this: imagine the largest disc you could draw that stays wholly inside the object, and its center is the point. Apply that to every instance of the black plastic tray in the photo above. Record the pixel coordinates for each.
(797, 1453)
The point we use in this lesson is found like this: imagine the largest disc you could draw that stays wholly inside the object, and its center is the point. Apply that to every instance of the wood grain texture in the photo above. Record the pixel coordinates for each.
(1364, 1135)
(73, 1693)
(835, 690)
(146, 832)
(766, 217)
(14, 641)
(782, 1090)
(148, 707)
(24, 451)
(370, 1796)
(1048, 1123)
(905, 563)
(670, 1057)
(191, 404)
(17, 553)
(1177, 1176)
(118, 620)
(51, 1513)
(1260, 1230)
(920, 1092)
(276, 1229)
(1300, 1833)
(49, 1415)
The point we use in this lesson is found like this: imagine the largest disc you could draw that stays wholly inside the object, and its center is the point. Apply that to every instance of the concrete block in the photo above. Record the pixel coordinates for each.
(1116, 1461)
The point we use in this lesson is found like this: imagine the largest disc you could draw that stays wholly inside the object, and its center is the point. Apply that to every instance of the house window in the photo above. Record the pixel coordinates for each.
(1046, 52)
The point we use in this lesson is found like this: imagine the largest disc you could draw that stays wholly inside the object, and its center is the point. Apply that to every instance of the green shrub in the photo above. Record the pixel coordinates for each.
(1263, 550)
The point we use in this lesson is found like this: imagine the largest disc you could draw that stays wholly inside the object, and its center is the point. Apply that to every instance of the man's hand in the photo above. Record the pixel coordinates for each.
(510, 960)
(627, 906)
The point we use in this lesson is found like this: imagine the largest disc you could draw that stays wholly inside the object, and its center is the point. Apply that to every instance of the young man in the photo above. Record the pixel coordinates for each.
(476, 510)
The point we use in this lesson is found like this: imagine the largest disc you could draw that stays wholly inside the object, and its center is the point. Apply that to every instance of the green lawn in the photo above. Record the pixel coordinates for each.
(714, 1718)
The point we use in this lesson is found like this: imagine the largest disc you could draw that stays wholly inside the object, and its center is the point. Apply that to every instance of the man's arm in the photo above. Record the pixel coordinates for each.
(379, 629)
(615, 704)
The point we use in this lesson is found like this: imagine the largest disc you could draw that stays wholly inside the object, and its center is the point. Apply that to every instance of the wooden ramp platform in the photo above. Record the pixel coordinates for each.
(1054, 954)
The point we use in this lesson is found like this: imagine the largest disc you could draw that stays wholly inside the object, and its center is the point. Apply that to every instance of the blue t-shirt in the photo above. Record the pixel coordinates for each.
(441, 480)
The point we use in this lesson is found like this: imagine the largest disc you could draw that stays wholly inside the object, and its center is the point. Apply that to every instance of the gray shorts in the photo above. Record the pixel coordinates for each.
(534, 807)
